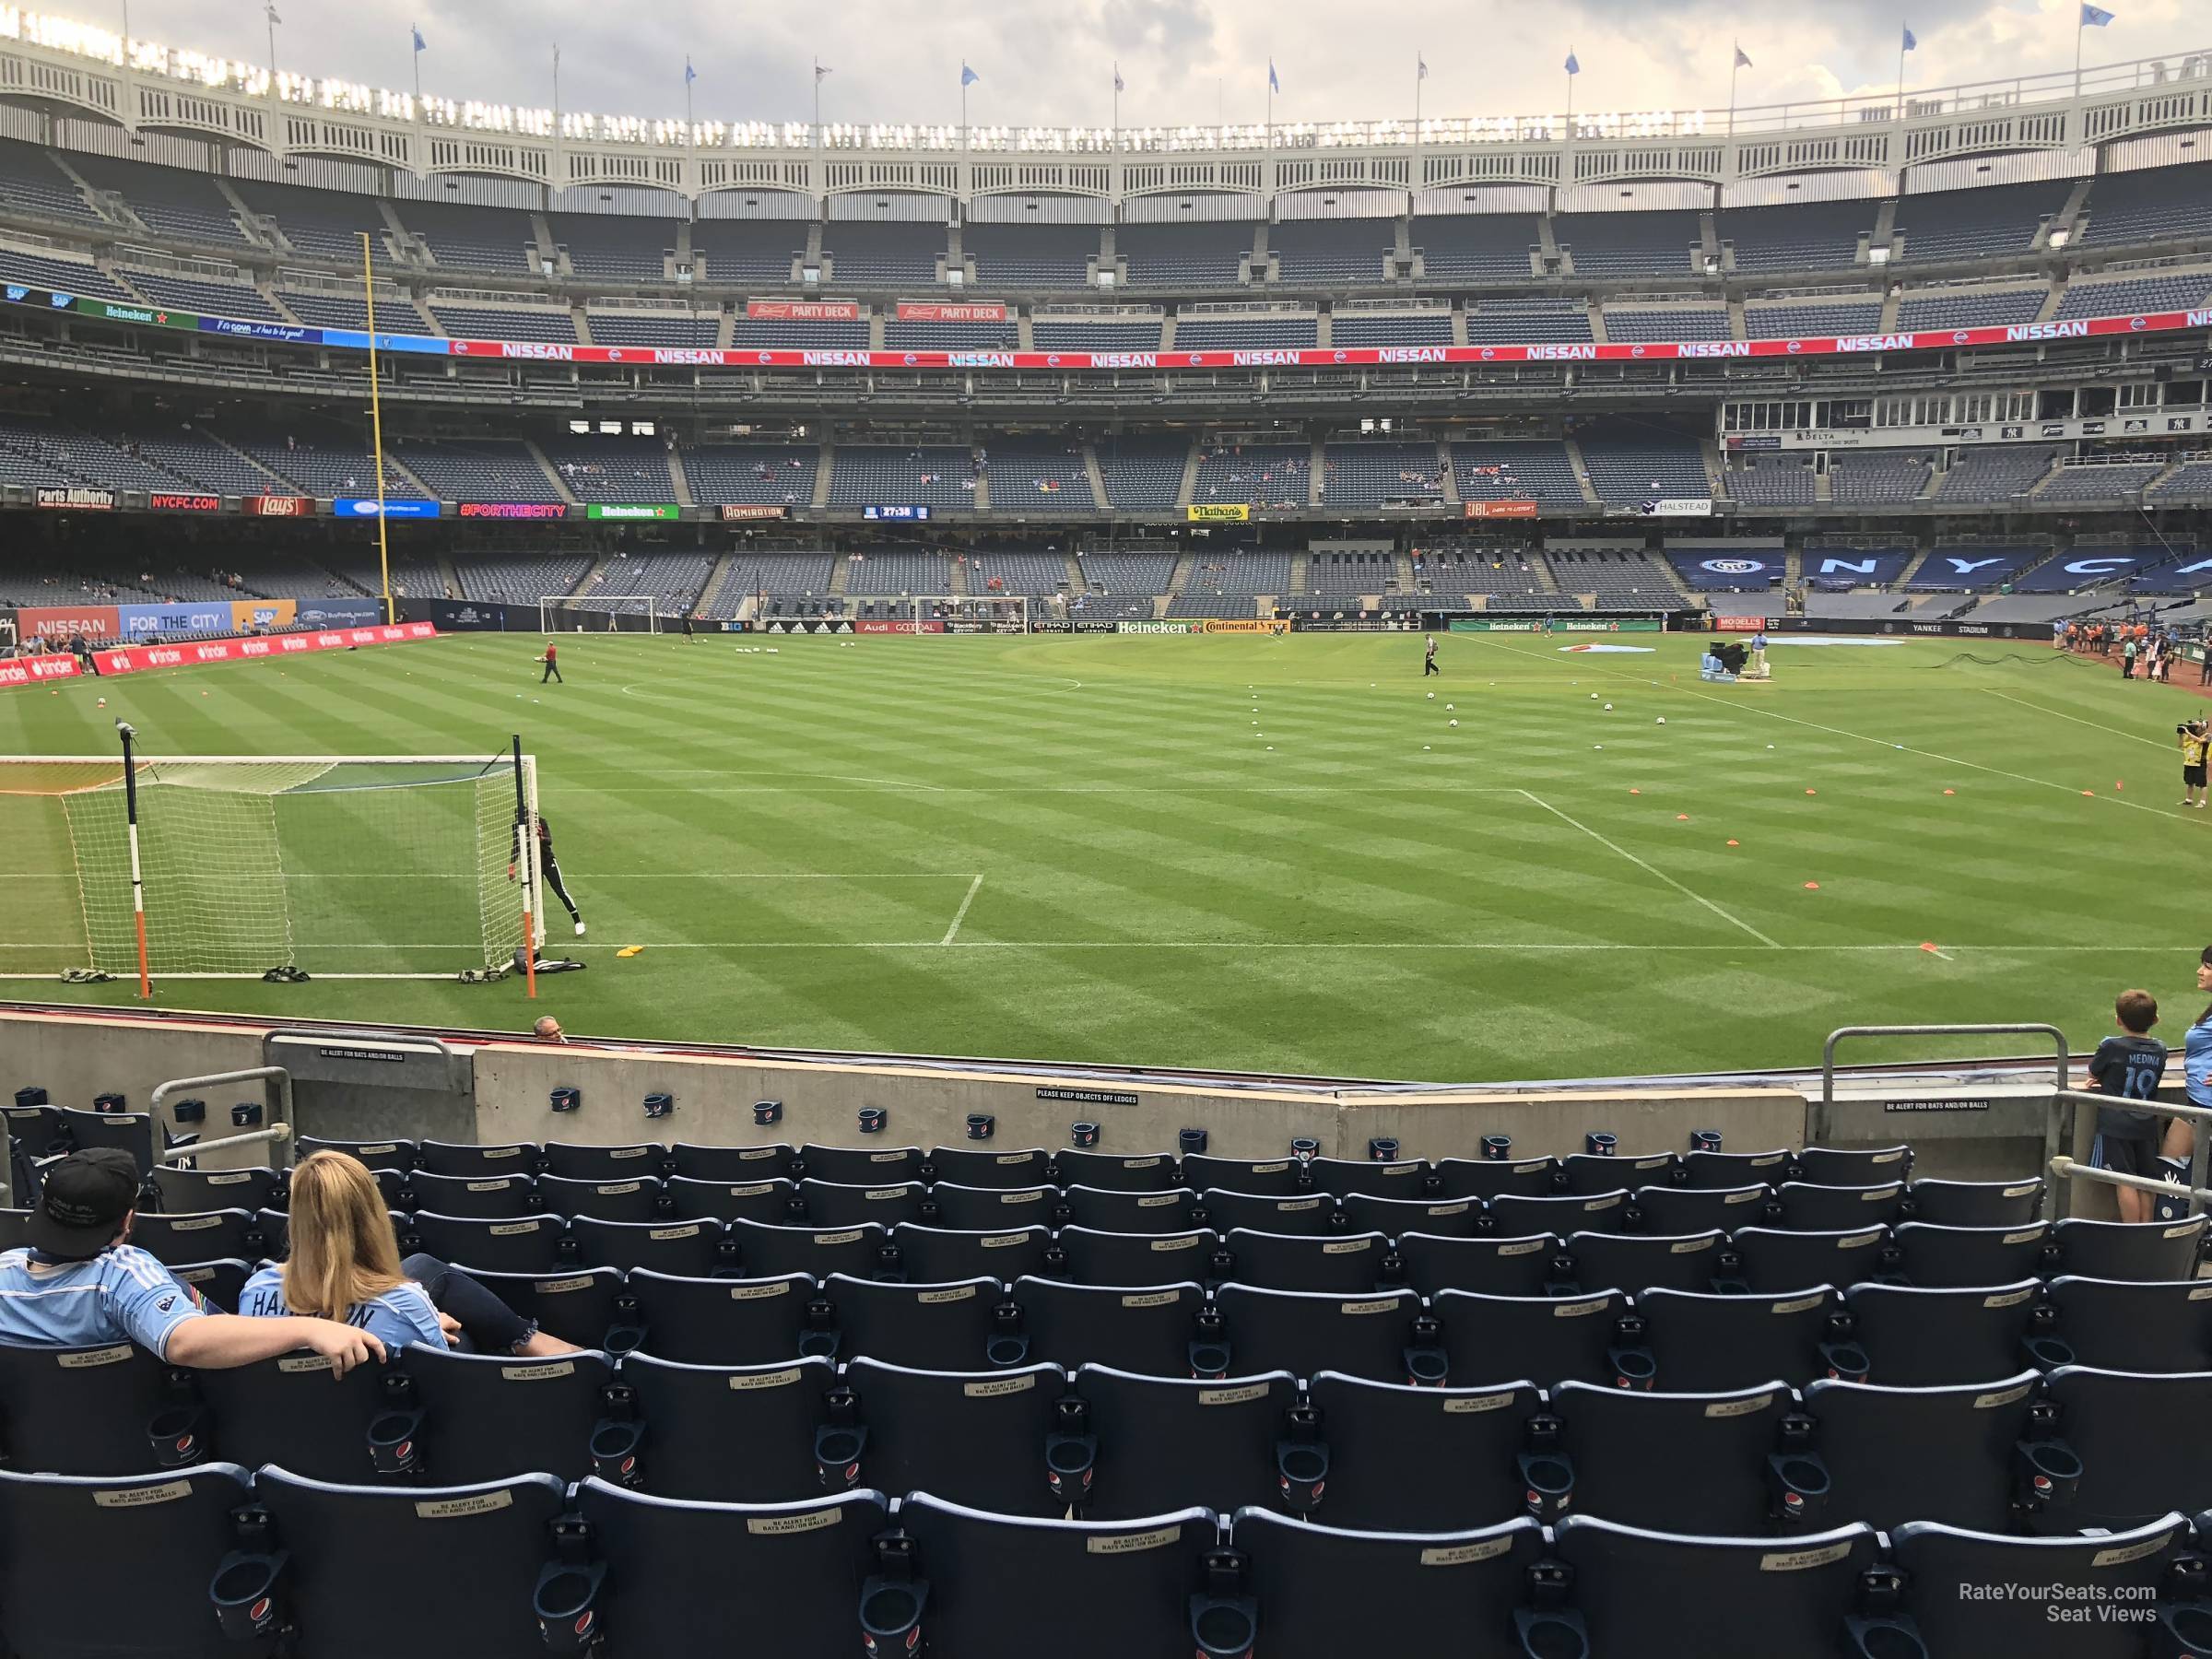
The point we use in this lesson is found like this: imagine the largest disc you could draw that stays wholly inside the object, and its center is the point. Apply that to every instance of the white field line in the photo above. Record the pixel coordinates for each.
(1814, 726)
(2093, 725)
(960, 915)
(1651, 869)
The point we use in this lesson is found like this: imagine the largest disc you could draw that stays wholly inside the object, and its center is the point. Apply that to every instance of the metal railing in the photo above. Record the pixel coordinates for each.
(2062, 1133)
(1823, 1112)
(279, 1129)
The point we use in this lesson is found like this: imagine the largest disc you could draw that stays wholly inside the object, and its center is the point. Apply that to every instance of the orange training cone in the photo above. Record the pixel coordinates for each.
(1812, 887)
(1732, 843)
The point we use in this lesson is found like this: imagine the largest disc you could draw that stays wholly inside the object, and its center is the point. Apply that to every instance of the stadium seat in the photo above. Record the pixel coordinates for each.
(1773, 1260)
(487, 1417)
(716, 1321)
(983, 1210)
(632, 1199)
(1347, 1265)
(1639, 1262)
(859, 1166)
(1272, 1177)
(517, 1244)
(14, 1229)
(131, 1132)
(39, 1128)
(923, 1327)
(1487, 1178)
(2107, 1588)
(1678, 1210)
(2148, 1251)
(1712, 1343)
(1952, 1454)
(1000, 1585)
(768, 1201)
(787, 1575)
(1957, 1257)
(1449, 1218)
(1809, 1209)
(276, 1226)
(1146, 1330)
(1311, 1217)
(736, 1165)
(576, 1307)
(1414, 1460)
(1975, 1203)
(1493, 1339)
(1380, 1337)
(768, 1252)
(468, 1160)
(288, 1411)
(829, 1203)
(215, 1236)
(61, 1538)
(1447, 1591)
(1162, 1438)
(1665, 1595)
(475, 1197)
(686, 1249)
(938, 1255)
(1093, 1257)
(1125, 1210)
(972, 1167)
(2133, 1326)
(1916, 1337)
(219, 1283)
(1724, 1171)
(1838, 1166)
(1488, 1265)
(469, 1559)
(1686, 1462)
(190, 1192)
(716, 1433)
(2140, 1442)
(1344, 1176)
(1108, 1172)
(1516, 1216)
(639, 1161)
(376, 1154)
(94, 1411)
(972, 1439)
(1589, 1175)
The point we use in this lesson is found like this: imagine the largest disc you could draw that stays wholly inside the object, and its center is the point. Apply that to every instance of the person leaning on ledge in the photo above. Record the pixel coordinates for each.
(81, 1283)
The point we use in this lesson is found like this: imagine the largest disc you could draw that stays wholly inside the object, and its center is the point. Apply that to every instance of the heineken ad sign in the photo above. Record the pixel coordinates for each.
(631, 511)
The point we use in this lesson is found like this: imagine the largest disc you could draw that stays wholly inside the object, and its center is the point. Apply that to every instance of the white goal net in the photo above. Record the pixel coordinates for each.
(392, 867)
(599, 613)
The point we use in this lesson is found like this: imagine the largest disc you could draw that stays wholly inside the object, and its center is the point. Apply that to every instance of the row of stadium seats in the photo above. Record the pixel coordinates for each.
(509, 1568)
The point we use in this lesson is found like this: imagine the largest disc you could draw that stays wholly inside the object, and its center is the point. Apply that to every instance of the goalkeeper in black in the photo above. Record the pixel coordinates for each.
(548, 865)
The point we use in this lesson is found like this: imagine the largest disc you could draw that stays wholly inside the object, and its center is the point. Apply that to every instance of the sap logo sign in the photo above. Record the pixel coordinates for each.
(61, 301)
(1734, 566)
(16, 292)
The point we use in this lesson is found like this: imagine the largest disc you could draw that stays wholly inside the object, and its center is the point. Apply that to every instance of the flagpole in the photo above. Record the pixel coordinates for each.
(1735, 67)
(1417, 67)
(1901, 78)
(2080, 28)
(417, 56)
(1570, 100)
(817, 103)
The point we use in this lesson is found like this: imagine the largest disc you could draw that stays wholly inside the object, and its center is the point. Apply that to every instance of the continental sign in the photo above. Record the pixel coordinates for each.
(1490, 510)
(1242, 624)
(1220, 513)
(1152, 628)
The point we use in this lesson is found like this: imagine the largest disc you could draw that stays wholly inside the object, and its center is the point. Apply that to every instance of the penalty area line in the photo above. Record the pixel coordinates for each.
(960, 915)
(1651, 869)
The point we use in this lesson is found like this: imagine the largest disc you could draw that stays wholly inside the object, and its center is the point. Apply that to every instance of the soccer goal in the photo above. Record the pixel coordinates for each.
(352, 868)
(970, 613)
(598, 613)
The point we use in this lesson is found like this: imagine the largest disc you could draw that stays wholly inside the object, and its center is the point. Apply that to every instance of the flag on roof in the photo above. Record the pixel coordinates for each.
(1272, 85)
(1911, 40)
(1743, 58)
(1573, 65)
(2095, 16)
(421, 44)
(968, 77)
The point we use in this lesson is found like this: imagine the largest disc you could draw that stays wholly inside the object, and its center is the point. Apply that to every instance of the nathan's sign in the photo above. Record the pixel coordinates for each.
(93, 501)
(1220, 512)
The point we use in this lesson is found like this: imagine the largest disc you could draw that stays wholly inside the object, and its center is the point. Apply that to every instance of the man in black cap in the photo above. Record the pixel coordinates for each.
(81, 1283)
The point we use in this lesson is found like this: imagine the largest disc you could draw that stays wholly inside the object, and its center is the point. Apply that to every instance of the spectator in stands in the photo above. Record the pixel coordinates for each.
(81, 1283)
(345, 1265)
(2131, 1067)
(2196, 1070)
(548, 1029)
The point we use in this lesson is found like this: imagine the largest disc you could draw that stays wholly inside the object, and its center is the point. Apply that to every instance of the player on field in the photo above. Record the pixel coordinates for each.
(1429, 659)
(550, 866)
(552, 662)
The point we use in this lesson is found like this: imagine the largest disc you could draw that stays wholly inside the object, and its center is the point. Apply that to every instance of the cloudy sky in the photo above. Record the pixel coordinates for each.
(1183, 60)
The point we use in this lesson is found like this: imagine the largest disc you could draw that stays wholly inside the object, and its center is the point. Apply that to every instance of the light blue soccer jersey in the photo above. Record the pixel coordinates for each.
(122, 1294)
(396, 1318)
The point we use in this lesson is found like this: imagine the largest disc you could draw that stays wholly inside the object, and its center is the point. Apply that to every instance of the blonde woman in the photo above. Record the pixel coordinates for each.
(345, 1264)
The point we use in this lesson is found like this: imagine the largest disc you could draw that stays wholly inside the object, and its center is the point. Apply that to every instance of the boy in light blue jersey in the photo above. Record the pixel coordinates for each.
(80, 1283)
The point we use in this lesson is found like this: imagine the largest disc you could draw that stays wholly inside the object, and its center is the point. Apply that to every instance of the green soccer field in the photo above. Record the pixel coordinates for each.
(1230, 852)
